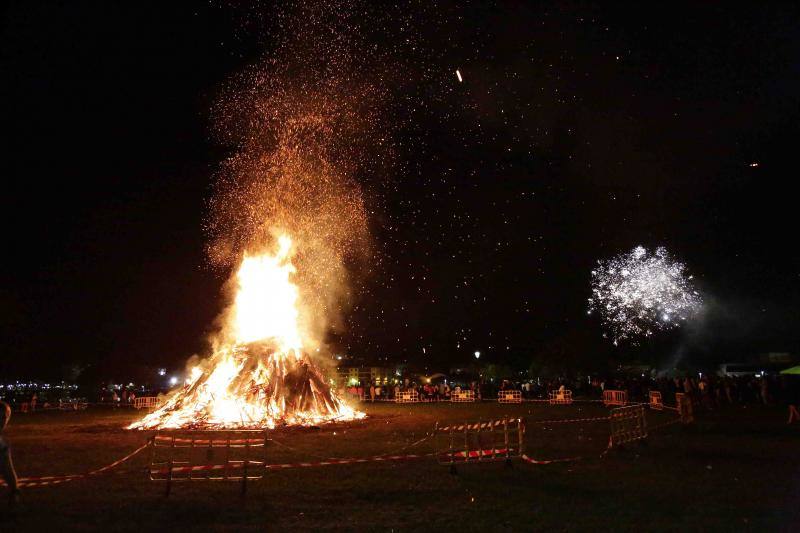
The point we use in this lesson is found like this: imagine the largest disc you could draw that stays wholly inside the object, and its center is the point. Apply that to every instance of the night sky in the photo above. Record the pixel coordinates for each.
(579, 132)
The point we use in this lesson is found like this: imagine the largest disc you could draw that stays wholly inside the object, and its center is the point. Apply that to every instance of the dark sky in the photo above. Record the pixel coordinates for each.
(580, 131)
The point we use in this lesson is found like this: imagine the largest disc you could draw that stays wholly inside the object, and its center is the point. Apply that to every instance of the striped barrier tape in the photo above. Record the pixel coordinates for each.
(476, 453)
(482, 425)
(569, 420)
(394, 452)
(377, 458)
(533, 461)
(55, 480)
(201, 468)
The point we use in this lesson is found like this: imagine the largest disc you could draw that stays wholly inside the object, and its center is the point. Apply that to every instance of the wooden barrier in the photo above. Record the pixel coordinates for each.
(509, 396)
(462, 396)
(480, 442)
(628, 424)
(407, 396)
(147, 402)
(615, 397)
(655, 401)
(560, 397)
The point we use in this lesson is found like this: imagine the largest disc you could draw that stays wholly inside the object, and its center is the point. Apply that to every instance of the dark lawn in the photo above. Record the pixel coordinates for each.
(735, 469)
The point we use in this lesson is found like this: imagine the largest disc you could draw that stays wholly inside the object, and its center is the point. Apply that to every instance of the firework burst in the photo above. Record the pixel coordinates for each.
(638, 293)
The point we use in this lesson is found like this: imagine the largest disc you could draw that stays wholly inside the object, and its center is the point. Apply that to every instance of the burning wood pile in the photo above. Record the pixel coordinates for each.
(263, 378)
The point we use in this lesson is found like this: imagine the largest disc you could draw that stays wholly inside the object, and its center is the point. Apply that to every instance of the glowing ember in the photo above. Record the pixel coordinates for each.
(261, 377)
(637, 293)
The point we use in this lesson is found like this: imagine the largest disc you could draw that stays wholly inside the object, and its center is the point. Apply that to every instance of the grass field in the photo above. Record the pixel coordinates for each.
(735, 469)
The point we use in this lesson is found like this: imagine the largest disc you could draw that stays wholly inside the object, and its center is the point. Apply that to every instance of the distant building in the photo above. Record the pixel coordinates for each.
(353, 375)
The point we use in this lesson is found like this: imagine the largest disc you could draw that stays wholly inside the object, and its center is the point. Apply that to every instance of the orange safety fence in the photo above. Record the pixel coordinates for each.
(462, 396)
(615, 397)
(409, 396)
(509, 396)
(655, 401)
(560, 397)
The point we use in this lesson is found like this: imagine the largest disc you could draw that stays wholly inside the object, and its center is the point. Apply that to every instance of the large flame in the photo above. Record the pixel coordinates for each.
(260, 376)
(266, 299)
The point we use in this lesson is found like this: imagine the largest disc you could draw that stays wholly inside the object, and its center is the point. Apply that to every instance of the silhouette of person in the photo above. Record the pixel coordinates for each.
(7, 472)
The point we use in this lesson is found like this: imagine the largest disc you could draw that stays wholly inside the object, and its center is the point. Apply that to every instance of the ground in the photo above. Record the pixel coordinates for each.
(736, 468)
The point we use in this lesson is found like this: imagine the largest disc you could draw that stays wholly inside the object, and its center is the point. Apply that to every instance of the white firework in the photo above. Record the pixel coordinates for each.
(638, 293)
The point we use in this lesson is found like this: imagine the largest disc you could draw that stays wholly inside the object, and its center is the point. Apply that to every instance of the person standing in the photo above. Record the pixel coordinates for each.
(7, 472)
(793, 398)
(764, 387)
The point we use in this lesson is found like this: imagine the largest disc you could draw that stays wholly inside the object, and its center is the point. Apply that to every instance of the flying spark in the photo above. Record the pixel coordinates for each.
(638, 293)
(458, 75)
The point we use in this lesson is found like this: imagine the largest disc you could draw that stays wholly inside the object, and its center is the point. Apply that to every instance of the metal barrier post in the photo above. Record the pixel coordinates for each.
(478, 439)
(452, 451)
(169, 466)
(244, 467)
(227, 472)
(209, 455)
(466, 442)
(265, 452)
(494, 442)
(506, 442)
(152, 455)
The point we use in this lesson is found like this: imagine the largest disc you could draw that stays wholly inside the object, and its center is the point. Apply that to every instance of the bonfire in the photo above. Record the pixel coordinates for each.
(261, 374)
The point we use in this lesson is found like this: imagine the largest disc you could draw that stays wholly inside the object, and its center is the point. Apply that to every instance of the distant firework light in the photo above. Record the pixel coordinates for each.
(639, 293)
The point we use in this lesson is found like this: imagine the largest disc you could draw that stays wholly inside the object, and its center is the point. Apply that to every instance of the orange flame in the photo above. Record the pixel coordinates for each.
(261, 377)
(266, 300)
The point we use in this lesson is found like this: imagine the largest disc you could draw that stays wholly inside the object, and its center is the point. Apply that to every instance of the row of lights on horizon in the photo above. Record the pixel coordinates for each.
(477, 355)
(173, 380)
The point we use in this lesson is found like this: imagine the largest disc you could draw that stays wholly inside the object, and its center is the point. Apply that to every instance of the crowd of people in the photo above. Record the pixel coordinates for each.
(426, 392)
(126, 397)
(712, 391)
(704, 391)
